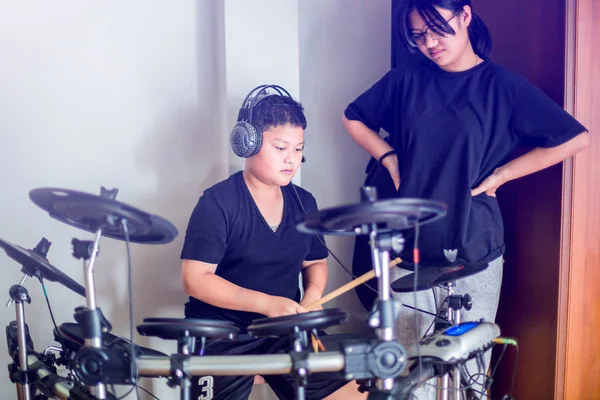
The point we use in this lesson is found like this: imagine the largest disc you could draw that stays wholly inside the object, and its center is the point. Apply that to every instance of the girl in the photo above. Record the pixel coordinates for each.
(454, 117)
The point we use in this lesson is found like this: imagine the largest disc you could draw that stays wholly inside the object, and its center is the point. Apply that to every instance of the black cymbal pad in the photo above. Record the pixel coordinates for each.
(280, 326)
(429, 277)
(176, 328)
(91, 212)
(387, 215)
(34, 260)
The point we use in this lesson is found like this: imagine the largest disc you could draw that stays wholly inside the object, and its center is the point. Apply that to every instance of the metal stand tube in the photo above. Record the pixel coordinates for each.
(268, 364)
(90, 296)
(23, 391)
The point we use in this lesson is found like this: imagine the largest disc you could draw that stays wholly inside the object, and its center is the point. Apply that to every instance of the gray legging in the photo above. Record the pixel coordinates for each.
(483, 287)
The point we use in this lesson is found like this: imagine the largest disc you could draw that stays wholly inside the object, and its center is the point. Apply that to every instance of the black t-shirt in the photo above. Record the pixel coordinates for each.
(451, 130)
(226, 228)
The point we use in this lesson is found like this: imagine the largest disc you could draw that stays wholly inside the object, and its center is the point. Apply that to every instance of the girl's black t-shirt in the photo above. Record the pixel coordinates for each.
(451, 130)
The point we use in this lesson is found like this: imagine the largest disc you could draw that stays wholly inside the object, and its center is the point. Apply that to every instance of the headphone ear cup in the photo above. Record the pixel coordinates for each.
(246, 139)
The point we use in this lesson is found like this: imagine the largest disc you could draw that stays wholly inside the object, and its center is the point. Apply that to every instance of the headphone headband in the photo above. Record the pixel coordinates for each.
(252, 100)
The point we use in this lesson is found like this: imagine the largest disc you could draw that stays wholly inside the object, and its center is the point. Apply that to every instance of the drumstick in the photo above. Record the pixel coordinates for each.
(348, 286)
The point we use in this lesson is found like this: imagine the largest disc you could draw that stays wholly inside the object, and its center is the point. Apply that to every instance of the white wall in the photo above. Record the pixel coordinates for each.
(142, 97)
(111, 93)
(261, 47)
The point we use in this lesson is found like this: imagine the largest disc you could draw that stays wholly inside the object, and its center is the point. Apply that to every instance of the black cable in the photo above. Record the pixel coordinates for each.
(41, 279)
(462, 389)
(439, 311)
(322, 241)
(480, 362)
(514, 377)
(126, 394)
(145, 390)
(426, 312)
(339, 261)
(131, 390)
(509, 395)
(496, 365)
(416, 260)
(134, 377)
(466, 376)
(472, 379)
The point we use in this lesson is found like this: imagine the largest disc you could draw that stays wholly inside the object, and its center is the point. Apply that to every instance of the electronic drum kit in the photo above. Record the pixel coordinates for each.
(97, 359)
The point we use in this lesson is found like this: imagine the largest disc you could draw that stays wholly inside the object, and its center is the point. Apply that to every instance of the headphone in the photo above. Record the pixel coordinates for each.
(246, 138)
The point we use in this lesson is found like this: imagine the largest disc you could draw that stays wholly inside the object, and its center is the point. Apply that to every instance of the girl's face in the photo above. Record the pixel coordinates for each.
(449, 52)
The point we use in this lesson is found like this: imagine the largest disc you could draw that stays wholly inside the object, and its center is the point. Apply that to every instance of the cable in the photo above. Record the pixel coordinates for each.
(512, 342)
(126, 394)
(505, 340)
(339, 261)
(473, 380)
(129, 392)
(322, 241)
(145, 390)
(134, 377)
(514, 377)
(437, 315)
(470, 386)
(467, 379)
(491, 377)
(38, 275)
(416, 259)
(426, 312)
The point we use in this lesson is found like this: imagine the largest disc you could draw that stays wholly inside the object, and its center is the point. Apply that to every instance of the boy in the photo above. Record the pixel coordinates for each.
(242, 253)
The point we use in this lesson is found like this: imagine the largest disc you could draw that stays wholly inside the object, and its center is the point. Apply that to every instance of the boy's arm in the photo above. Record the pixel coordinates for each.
(315, 275)
(199, 280)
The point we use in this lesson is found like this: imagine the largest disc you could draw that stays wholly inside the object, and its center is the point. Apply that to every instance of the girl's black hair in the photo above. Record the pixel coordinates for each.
(479, 34)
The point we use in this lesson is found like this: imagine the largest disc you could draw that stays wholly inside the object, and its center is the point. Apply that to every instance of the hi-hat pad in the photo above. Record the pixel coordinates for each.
(429, 277)
(386, 215)
(35, 260)
(90, 212)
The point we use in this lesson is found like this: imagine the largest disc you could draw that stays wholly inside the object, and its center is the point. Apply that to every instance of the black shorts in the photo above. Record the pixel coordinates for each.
(238, 387)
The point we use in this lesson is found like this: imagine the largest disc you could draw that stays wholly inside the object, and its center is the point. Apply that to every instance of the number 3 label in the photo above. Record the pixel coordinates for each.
(206, 383)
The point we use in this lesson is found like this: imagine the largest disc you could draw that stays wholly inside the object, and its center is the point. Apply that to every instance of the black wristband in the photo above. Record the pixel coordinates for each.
(389, 153)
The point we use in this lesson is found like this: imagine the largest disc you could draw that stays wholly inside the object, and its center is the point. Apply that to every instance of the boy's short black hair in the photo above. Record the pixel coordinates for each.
(276, 110)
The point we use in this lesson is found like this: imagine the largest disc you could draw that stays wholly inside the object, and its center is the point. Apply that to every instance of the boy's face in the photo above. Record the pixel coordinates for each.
(280, 155)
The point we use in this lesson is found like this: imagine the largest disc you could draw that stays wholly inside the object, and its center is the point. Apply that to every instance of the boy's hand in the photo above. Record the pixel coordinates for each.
(305, 302)
(279, 306)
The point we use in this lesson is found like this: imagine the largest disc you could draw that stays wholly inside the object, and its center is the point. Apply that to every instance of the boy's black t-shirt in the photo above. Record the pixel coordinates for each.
(451, 130)
(226, 228)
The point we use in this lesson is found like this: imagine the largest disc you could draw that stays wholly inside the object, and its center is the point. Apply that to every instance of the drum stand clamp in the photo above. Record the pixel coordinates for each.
(456, 303)
(373, 360)
(104, 365)
(180, 376)
(300, 371)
